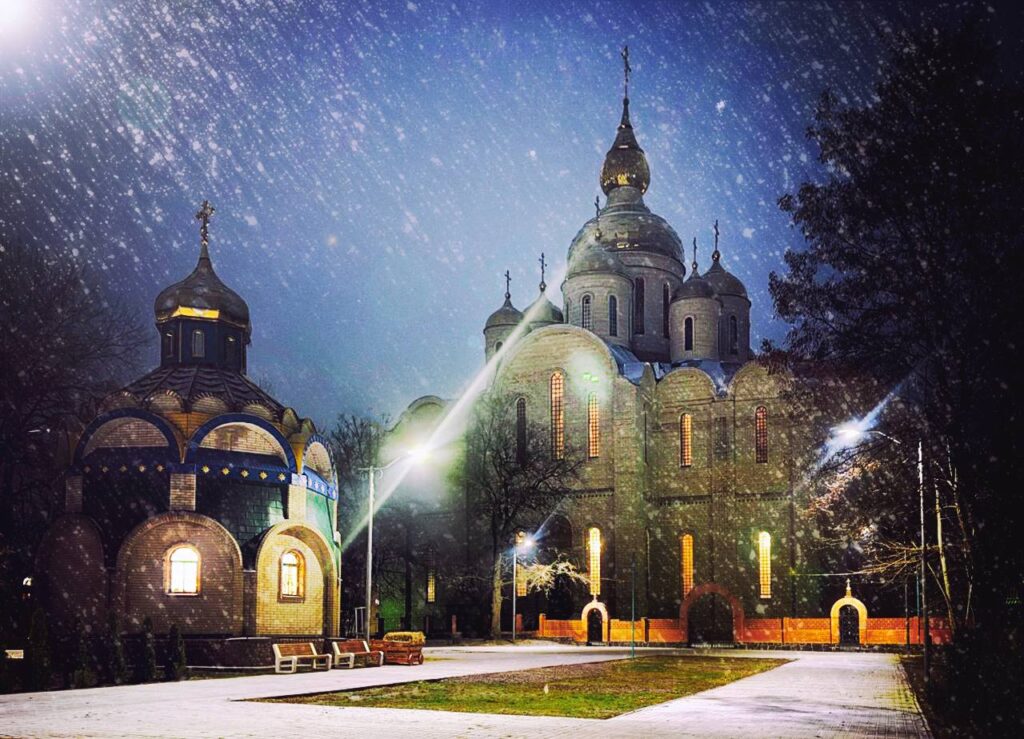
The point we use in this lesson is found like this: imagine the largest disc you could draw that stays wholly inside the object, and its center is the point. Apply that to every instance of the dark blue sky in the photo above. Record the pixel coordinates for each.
(377, 166)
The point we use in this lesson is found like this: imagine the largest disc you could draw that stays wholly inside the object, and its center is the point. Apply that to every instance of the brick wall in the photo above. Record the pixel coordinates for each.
(73, 575)
(276, 615)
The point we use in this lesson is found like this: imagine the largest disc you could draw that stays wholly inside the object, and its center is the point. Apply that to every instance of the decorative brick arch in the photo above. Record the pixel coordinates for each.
(862, 616)
(711, 588)
(606, 624)
(244, 419)
(170, 434)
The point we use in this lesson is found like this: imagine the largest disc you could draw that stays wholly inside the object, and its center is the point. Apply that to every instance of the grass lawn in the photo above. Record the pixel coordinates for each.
(593, 690)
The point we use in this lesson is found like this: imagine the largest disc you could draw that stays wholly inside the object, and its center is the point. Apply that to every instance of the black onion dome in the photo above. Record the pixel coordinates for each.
(625, 164)
(546, 311)
(724, 282)
(695, 287)
(506, 315)
(203, 290)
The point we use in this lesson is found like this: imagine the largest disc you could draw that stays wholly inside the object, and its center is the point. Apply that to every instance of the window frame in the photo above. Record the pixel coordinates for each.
(594, 542)
(169, 566)
(300, 577)
(685, 440)
(689, 326)
(586, 313)
(613, 316)
(666, 301)
(639, 298)
(734, 335)
(556, 409)
(761, 435)
(198, 342)
(593, 426)
(521, 430)
(764, 565)
(686, 563)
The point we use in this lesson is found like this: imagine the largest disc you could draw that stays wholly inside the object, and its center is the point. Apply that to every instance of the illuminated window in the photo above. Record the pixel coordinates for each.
(585, 320)
(594, 559)
(688, 334)
(734, 336)
(521, 430)
(638, 306)
(593, 427)
(520, 581)
(292, 575)
(666, 298)
(183, 571)
(613, 316)
(764, 556)
(685, 440)
(721, 438)
(761, 434)
(557, 415)
(686, 562)
(431, 585)
(198, 343)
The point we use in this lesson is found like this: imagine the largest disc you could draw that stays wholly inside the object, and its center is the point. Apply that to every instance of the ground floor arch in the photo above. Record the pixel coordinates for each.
(595, 621)
(716, 614)
(841, 616)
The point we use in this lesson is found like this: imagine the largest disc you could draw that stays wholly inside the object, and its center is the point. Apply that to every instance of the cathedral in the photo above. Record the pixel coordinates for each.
(196, 499)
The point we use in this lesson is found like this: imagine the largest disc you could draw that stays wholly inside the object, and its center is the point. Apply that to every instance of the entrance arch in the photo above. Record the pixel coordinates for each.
(595, 621)
(862, 616)
(849, 631)
(714, 589)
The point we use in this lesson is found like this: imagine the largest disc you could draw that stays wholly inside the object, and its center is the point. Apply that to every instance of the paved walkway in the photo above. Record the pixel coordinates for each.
(816, 695)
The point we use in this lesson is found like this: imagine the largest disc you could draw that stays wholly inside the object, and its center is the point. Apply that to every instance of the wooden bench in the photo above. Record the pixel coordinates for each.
(357, 649)
(288, 657)
(399, 652)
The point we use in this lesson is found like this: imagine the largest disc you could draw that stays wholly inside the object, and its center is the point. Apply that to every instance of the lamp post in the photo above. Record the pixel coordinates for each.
(853, 434)
(372, 472)
(526, 542)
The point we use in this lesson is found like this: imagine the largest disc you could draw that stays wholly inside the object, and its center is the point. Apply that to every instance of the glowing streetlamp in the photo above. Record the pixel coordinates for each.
(851, 434)
(415, 456)
(524, 542)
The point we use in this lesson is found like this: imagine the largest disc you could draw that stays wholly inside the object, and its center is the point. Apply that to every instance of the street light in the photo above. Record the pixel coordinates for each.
(522, 543)
(852, 433)
(416, 455)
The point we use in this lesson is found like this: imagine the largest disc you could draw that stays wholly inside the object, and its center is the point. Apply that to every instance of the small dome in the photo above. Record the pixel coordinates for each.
(695, 287)
(506, 315)
(724, 282)
(625, 164)
(203, 290)
(545, 312)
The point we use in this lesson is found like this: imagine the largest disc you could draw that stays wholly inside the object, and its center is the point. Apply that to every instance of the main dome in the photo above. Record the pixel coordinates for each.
(625, 164)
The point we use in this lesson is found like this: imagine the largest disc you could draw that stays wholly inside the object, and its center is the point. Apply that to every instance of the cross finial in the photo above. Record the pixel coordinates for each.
(508, 285)
(543, 265)
(848, 592)
(717, 254)
(203, 216)
(694, 265)
(597, 206)
(626, 69)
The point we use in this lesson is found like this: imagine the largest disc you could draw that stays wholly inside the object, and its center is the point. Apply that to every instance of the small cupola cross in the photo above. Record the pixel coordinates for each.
(543, 266)
(203, 216)
(508, 285)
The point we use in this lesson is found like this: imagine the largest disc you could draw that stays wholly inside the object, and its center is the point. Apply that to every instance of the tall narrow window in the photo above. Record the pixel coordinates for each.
(685, 440)
(593, 427)
(764, 557)
(521, 430)
(638, 306)
(686, 563)
(557, 415)
(431, 585)
(666, 298)
(688, 334)
(613, 316)
(292, 576)
(520, 579)
(183, 571)
(168, 340)
(761, 434)
(231, 349)
(585, 320)
(734, 336)
(594, 559)
(568, 311)
(198, 343)
(721, 438)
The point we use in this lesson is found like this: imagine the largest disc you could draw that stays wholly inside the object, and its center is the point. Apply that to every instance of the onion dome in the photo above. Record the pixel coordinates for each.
(543, 312)
(696, 286)
(625, 164)
(506, 315)
(721, 280)
(203, 295)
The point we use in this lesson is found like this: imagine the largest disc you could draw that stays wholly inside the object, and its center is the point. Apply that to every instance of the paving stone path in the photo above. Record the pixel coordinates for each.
(815, 695)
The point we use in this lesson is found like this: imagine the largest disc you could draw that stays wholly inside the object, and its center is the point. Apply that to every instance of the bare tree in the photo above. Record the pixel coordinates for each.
(510, 480)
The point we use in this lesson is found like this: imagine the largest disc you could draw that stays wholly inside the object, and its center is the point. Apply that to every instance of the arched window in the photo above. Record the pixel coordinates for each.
(666, 298)
(764, 558)
(183, 570)
(593, 427)
(613, 316)
(198, 343)
(585, 313)
(568, 311)
(685, 440)
(734, 335)
(557, 415)
(168, 340)
(761, 434)
(497, 347)
(688, 334)
(594, 559)
(520, 580)
(431, 585)
(638, 306)
(292, 576)
(521, 430)
(686, 563)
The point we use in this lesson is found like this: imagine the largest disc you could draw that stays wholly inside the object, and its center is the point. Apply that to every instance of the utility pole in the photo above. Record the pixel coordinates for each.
(632, 606)
(924, 581)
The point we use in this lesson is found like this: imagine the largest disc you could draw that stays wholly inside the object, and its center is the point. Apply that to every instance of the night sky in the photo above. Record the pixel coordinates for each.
(377, 166)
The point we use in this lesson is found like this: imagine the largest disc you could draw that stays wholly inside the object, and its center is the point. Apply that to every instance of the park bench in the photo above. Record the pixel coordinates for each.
(401, 648)
(357, 649)
(288, 657)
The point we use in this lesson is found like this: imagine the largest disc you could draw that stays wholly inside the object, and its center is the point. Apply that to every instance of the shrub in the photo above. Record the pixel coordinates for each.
(118, 663)
(40, 672)
(147, 665)
(82, 675)
(176, 666)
